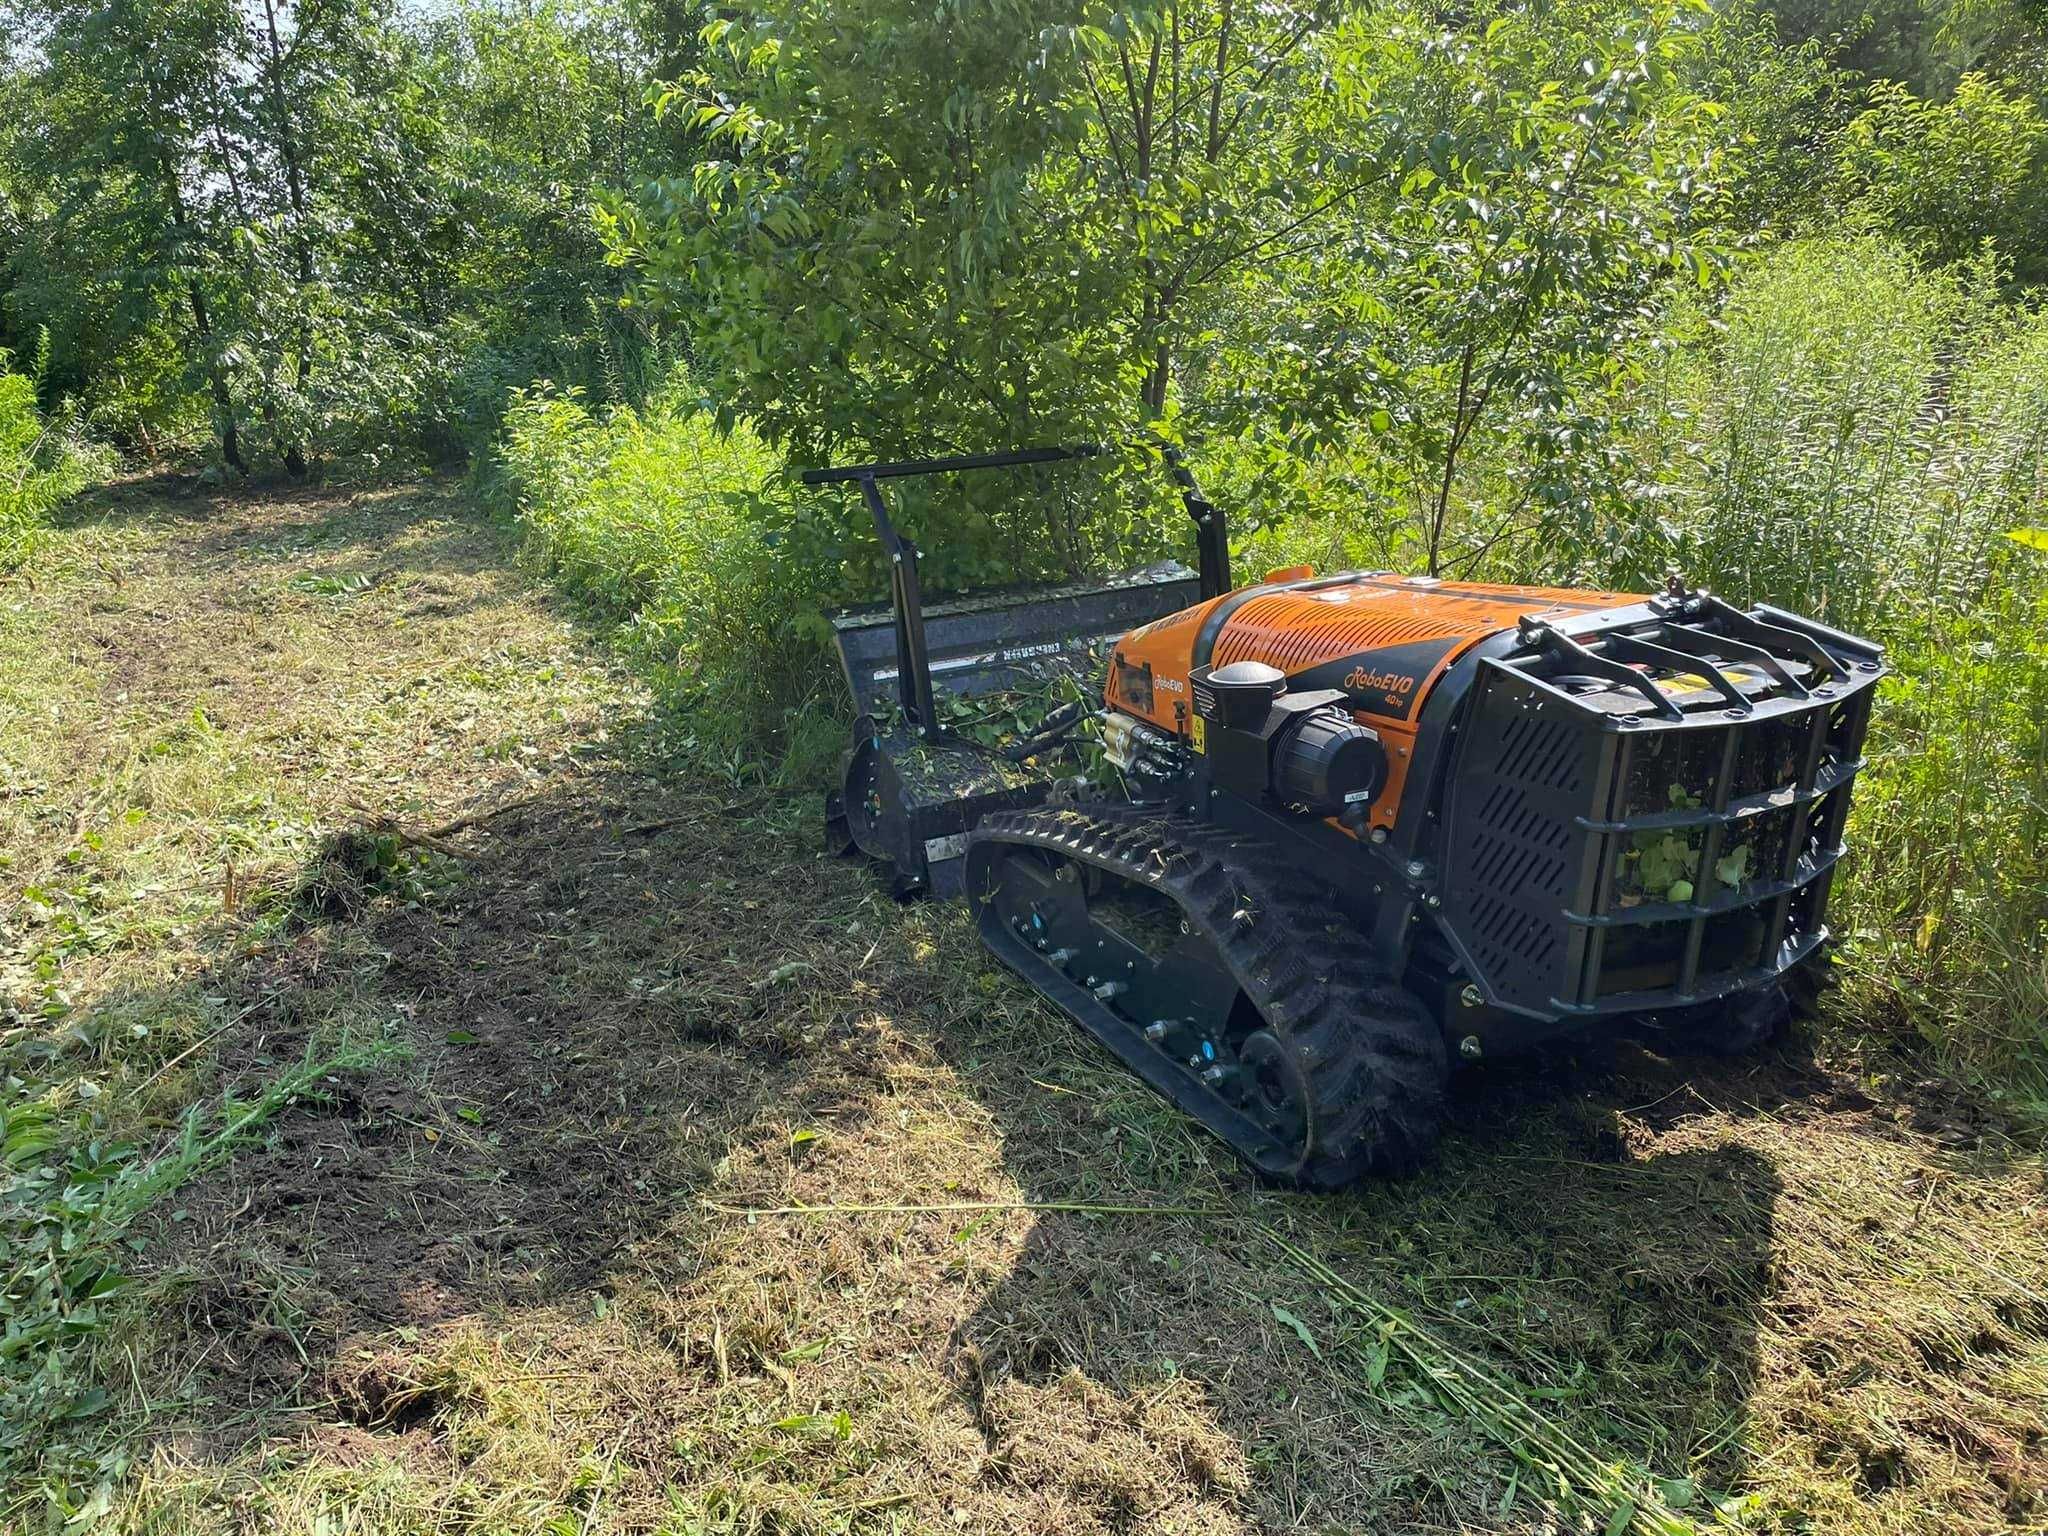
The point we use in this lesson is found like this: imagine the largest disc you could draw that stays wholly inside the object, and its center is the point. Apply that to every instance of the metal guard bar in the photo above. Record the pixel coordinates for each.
(906, 595)
(1784, 797)
(1626, 645)
(1809, 868)
(1717, 985)
(1693, 643)
(1595, 665)
(897, 469)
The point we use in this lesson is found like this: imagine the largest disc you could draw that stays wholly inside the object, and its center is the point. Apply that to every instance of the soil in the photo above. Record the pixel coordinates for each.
(541, 1266)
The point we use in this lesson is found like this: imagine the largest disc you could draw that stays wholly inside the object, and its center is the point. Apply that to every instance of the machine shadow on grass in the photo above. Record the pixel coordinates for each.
(540, 1108)
(627, 1002)
(609, 1027)
(632, 1010)
(1614, 1286)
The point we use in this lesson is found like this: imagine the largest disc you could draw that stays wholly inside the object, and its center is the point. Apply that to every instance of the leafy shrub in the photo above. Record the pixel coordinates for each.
(1947, 176)
(1946, 899)
(684, 536)
(42, 462)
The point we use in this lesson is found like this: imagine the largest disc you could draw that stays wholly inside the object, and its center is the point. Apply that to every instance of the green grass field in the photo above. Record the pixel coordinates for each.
(435, 1107)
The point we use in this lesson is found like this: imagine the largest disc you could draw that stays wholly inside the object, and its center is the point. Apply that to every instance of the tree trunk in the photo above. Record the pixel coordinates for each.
(202, 327)
(223, 401)
(294, 451)
(1462, 416)
(225, 426)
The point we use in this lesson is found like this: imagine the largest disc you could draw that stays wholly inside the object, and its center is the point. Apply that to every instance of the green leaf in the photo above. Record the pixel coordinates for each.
(1282, 1315)
(1376, 1364)
(2031, 538)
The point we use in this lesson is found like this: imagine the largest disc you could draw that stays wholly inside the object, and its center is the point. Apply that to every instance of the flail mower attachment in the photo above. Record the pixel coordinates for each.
(910, 788)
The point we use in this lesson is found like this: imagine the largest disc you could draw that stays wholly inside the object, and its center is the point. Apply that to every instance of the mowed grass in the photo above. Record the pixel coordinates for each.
(682, 1182)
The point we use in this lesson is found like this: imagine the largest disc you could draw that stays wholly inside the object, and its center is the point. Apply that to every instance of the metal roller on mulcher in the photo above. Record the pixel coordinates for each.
(1368, 823)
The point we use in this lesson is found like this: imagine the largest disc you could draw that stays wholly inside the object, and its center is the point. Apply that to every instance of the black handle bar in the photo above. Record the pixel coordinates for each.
(894, 471)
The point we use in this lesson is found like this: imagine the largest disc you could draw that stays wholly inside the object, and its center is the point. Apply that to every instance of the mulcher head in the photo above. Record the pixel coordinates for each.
(1020, 638)
(911, 787)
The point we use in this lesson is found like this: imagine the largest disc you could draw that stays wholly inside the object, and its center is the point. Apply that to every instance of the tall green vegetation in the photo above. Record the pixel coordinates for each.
(1951, 177)
(43, 460)
(679, 534)
(1808, 432)
(1861, 439)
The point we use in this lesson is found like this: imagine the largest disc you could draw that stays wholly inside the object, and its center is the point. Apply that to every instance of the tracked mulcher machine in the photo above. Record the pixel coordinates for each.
(1360, 824)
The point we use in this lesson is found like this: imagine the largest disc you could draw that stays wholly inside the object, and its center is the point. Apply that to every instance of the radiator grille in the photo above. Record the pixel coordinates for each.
(1291, 632)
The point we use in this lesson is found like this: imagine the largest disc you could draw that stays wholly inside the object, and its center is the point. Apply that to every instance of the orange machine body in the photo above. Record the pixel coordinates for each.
(1384, 640)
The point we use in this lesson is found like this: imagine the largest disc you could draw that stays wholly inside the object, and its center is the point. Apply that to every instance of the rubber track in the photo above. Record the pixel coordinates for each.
(1373, 1057)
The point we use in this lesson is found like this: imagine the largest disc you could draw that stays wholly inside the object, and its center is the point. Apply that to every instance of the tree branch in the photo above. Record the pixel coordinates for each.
(1443, 497)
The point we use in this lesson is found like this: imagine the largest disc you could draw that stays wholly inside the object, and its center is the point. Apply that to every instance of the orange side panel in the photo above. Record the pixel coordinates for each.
(1384, 640)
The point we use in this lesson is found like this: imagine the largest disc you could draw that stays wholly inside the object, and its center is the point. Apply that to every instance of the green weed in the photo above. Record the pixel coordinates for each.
(44, 461)
(676, 533)
(66, 1207)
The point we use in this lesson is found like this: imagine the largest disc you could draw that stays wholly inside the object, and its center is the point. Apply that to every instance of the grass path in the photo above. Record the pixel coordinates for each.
(676, 1180)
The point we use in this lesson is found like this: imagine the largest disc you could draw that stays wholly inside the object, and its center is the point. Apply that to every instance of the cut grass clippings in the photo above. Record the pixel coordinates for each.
(1564, 1475)
(707, 1189)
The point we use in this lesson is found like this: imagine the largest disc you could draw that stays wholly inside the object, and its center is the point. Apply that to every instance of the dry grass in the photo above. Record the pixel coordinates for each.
(714, 1192)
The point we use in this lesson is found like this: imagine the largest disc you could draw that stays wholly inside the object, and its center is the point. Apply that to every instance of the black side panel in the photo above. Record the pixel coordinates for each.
(1517, 804)
(1387, 681)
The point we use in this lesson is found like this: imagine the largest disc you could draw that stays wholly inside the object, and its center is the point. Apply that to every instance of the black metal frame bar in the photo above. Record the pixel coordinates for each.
(1554, 642)
(1624, 647)
(1696, 643)
(906, 593)
(1212, 533)
(906, 596)
(1802, 636)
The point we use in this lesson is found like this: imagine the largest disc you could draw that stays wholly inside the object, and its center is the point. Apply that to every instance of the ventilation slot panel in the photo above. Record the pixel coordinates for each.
(1293, 632)
(1519, 790)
